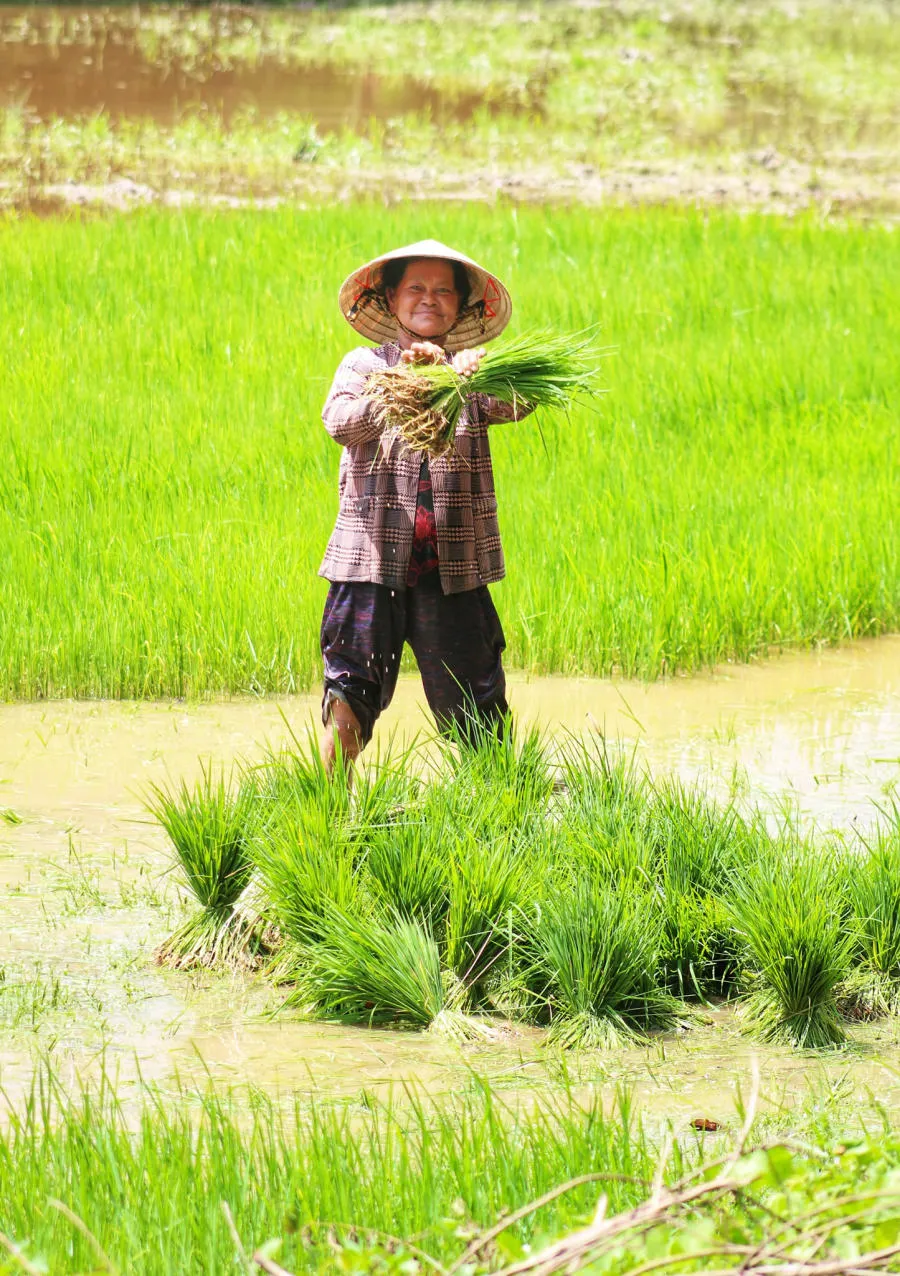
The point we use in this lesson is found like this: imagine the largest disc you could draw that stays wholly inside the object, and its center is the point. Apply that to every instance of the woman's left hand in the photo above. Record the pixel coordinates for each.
(465, 362)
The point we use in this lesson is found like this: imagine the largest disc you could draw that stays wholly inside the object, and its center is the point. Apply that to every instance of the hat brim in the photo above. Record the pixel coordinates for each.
(364, 305)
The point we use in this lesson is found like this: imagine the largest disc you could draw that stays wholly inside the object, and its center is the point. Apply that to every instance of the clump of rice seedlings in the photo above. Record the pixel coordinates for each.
(873, 887)
(210, 827)
(495, 785)
(695, 846)
(596, 949)
(789, 912)
(408, 869)
(307, 869)
(423, 402)
(293, 779)
(605, 792)
(489, 886)
(369, 968)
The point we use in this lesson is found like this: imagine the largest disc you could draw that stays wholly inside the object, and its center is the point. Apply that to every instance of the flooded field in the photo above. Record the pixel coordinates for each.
(762, 107)
(72, 63)
(85, 897)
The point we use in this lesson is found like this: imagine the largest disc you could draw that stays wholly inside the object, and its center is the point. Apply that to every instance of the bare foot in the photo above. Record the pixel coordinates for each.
(343, 729)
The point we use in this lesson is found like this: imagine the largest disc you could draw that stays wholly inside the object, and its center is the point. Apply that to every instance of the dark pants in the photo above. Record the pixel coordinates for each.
(457, 641)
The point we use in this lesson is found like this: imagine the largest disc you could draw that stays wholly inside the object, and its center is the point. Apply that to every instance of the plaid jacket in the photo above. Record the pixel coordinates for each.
(379, 480)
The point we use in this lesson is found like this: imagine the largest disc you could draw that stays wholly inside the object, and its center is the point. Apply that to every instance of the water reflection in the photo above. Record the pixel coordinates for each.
(58, 64)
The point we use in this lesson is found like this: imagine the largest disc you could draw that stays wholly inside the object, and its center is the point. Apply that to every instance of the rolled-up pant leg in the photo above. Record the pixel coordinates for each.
(362, 640)
(458, 643)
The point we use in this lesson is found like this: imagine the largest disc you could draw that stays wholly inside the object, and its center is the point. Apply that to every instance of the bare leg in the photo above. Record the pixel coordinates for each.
(343, 728)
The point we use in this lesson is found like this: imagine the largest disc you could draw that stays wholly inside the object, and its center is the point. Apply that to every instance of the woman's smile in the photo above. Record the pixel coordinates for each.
(426, 301)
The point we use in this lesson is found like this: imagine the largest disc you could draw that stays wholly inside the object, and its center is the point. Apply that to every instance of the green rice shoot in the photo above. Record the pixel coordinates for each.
(423, 403)
(209, 827)
(789, 911)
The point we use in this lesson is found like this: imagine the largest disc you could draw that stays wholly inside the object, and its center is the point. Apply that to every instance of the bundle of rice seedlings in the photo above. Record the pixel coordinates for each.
(307, 867)
(292, 779)
(423, 402)
(369, 968)
(604, 791)
(694, 847)
(496, 787)
(210, 828)
(873, 886)
(597, 950)
(489, 888)
(408, 870)
(788, 910)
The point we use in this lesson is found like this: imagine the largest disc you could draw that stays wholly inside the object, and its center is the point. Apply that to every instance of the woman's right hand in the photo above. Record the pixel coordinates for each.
(423, 352)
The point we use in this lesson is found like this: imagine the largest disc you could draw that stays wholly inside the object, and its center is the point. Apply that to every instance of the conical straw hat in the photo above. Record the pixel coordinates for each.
(364, 305)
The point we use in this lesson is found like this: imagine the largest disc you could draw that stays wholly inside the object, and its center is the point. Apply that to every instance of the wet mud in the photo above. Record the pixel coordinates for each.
(85, 894)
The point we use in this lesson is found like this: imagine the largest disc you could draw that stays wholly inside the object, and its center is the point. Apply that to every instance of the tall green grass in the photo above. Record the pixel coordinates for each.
(148, 1178)
(169, 489)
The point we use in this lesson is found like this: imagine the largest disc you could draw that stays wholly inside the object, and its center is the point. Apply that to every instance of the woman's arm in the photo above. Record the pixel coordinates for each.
(347, 413)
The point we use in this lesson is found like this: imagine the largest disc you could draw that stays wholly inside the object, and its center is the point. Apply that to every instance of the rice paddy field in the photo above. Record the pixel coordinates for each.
(170, 488)
(621, 990)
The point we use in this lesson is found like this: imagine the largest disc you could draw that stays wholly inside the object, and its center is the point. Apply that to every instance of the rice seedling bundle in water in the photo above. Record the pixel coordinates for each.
(423, 402)
(873, 885)
(210, 828)
(598, 951)
(789, 912)
(693, 847)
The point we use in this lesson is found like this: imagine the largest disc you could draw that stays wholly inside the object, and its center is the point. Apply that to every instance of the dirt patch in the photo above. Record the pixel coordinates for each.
(757, 183)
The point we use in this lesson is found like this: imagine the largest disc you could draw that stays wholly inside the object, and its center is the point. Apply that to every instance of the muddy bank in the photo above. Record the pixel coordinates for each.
(747, 183)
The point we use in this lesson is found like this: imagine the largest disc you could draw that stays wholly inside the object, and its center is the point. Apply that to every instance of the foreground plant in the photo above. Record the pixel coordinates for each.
(788, 910)
(597, 950)
(210, 826)
(873, 886)
(367, 969)
(423, 402)
(771, 1209)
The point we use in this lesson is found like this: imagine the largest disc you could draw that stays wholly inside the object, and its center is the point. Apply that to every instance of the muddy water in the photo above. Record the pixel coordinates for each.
(58, 63)
(84, 896)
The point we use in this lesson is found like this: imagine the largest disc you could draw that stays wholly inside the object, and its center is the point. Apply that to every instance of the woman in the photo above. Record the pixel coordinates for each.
(416, 542)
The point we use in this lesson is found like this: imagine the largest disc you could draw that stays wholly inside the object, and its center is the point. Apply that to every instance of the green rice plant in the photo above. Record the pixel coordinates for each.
(489, 889)
(307, 868)
(210, 827)
(873, 888)
(605, 794)
(408, 869)
(789, 912)
(597, 950)
(695, 848)
(423, 402)
(147, 1177)
(293, 779)
(369, 968)
(495, 790)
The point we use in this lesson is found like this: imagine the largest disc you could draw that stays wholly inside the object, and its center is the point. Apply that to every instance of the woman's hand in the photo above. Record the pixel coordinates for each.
(422, 352)
(465, 362)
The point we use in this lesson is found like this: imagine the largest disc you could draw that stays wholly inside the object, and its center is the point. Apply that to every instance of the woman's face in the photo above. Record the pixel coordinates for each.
(426, 300)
